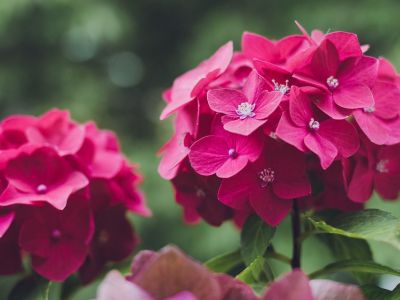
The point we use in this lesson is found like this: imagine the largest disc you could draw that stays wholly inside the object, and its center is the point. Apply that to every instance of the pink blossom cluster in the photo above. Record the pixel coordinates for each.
(65, 189)
(308, 117)
(170, 275)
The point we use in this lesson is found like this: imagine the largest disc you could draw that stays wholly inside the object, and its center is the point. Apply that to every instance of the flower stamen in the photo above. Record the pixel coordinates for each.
(266, 176)
(313, 124)
(245, 109)
(283, 88)
(332, 82)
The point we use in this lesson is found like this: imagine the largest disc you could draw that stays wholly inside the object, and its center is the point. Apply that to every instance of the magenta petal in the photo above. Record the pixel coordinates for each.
(323, 289)
(325, 150)
(290, 133)
(243, 127)
(62, 261)
(208, 154)
(186, 84)
(328, 106)
(342, 134)
(352, 96)
(362, 182)
(387, 185)
(386, 95)
(226, 101)
(5, 222)
(254, 86)
(374, 128)
(232, 166)
(234, 191)
(106, 164)
(266, 104)
(300, 107)
(361, 70)
(346, 43)
(255, 46)
(325, 60)
(174, 152)
(116, 287)
(293, 286)
(269, 207)
(295, 188)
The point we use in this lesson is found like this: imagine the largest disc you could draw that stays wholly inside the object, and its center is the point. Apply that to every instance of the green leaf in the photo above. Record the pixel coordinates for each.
(354, 266)
(373, 292)
(344, 248)
(225, 262)
(257, 273)
(369, 224)
(256, 236)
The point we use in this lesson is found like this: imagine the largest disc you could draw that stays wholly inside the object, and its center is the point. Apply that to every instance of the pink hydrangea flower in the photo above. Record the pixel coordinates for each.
(346, 83)
(223, 153)
(317, 92)
(296, 285)
(245, 111)
(189, 85)
(374, 168)
(41, 176)
(170, 275)
(57, 240)
(308, 130)
(61, 185)
(269, 184)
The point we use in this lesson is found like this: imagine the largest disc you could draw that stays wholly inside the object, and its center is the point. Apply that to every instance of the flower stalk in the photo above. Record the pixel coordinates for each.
(296, 234)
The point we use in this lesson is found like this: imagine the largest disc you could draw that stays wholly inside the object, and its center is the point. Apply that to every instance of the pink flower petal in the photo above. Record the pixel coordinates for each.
(325, 150)
(323, 289)
(328, 106)
(352, 96)
(255, 46)
(6, 220)
(325, 60)
(184, 86)
(226, 101)
(374, 128)
(254, 86)
(293, 286)
(116, 287)
(290, 133)
(209, 154)
(269, 207)
(342, 134)
(266, 104)
(361, 70)
(346, 43)
(243, 127)
(362, 182)
(300, 107)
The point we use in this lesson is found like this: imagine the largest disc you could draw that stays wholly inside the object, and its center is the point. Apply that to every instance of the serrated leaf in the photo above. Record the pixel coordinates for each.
(256, 236)
(257, 273)
(225, 262)
(344, 248)
(369, 224)
(355, 266)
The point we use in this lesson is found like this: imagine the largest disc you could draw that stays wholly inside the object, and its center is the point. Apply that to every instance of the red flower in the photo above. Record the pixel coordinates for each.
(58, 241)
(269, 184)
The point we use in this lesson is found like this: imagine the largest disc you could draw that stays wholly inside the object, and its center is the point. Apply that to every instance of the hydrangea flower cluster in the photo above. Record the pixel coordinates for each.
(308, 117)
(170, 275)
(65, 189)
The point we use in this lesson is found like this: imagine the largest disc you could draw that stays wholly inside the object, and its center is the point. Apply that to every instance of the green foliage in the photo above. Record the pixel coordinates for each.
(256, 236)
(369, 224)
(257, 274)
(373, 292)
(343, 248)
(225, 262)
(355, 266)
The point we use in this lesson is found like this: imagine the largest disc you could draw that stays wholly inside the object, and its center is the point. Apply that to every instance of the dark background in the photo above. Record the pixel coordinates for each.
(110, 60)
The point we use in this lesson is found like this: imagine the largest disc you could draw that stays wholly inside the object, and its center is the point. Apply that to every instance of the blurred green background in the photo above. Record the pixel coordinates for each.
(110, 60)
